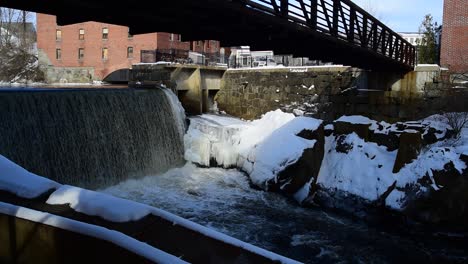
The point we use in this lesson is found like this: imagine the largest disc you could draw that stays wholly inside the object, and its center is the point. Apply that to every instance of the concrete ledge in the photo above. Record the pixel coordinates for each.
(427, 67)
(325, 68)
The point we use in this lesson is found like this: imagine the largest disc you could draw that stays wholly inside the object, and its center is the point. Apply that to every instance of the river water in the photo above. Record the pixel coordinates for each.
(223, 200)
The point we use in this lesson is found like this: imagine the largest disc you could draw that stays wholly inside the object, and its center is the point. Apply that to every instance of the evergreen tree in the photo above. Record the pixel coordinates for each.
(427, 50)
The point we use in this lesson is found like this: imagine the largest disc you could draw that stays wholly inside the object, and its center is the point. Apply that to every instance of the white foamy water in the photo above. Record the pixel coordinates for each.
(223, 200)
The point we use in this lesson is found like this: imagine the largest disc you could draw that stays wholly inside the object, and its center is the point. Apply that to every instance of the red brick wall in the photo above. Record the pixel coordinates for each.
(454, 49)
(206, 46)
(165, 42)
(117, 44)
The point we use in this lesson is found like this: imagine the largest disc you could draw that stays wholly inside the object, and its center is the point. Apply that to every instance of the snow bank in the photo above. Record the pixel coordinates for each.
(114, 237)
(98, 204)
(365, 171)
(21, 182)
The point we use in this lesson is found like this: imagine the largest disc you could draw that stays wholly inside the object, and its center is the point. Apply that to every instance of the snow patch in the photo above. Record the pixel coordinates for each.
(98, 204)
(356, 119)
(365, 171)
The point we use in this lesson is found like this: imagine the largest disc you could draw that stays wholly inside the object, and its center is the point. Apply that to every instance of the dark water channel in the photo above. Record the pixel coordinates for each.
(223, 200)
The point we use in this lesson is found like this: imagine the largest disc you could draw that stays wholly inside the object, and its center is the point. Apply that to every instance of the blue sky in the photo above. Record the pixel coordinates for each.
(403, 15)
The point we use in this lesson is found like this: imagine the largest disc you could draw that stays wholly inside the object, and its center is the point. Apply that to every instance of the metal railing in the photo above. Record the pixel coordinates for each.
(341, 19)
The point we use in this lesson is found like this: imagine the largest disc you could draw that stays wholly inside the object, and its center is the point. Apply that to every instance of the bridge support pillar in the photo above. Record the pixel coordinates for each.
(412, 82)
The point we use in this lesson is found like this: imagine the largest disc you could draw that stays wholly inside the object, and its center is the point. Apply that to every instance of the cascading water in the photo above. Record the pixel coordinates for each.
(92, 137)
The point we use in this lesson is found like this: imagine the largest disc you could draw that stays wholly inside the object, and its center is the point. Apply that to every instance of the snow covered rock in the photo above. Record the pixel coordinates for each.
(354, 173)
(446, 205)
(303, 173)
(289, 158)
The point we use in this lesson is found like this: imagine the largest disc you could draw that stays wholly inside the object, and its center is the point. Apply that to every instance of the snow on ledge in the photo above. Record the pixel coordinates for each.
(117, 238)
(120, 210)
(17, 180)
(355, 119)
(98, 204)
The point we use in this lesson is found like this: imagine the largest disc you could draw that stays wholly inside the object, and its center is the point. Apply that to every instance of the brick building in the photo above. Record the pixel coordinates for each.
(454, 50)
(94, 50)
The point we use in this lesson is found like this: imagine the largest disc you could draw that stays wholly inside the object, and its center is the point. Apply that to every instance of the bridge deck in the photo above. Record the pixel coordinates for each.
(329, 30)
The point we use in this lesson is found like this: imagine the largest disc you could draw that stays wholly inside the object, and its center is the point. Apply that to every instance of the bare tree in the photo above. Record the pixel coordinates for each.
(17, 38)
(458, 121)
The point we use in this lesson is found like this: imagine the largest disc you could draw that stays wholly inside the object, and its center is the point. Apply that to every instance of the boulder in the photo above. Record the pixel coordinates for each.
(390, 140)
(307, 167)
(446, 207)
(344, 128)
(410, 146)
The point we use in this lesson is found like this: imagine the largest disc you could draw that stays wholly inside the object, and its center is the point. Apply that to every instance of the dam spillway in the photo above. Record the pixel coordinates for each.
(91, 137)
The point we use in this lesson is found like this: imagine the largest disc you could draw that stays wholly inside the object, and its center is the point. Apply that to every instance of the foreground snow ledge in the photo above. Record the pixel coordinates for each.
(21, 182)
(114, 237)
(120, 210)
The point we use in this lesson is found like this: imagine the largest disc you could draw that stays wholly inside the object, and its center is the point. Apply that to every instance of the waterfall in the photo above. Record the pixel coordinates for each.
(92, 137)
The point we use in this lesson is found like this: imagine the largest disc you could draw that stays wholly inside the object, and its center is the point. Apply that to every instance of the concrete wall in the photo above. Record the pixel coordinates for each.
(193, 83)
(24, 241)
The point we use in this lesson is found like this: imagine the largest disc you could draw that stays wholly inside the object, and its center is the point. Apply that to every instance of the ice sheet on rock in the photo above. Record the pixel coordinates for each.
(21, 182)
(228, 140)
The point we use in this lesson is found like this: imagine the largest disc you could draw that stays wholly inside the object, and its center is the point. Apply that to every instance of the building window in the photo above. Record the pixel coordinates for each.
(171, 37)
(80, 53)
(198, 43)
(129, 52)
(58, 34)
(208, 44)
(179, 37)
(81, 36)
(58, 54)
(105, 33)
(105, 53)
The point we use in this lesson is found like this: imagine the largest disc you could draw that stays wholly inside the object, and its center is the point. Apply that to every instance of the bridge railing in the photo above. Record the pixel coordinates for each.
(344, 20)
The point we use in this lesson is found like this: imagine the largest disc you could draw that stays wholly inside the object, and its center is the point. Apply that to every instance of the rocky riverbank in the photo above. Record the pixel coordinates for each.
(414, 170)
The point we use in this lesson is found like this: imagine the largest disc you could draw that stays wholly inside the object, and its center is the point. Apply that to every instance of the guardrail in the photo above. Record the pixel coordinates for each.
(343, 20)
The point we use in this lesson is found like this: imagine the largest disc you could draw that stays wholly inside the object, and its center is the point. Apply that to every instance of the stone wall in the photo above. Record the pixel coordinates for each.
(250, 93)
(330, 92)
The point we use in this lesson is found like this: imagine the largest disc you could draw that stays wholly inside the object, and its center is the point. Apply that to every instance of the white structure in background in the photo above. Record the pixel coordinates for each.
(240, 57)
(196, 58)
(412, 37)
(263, 58)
